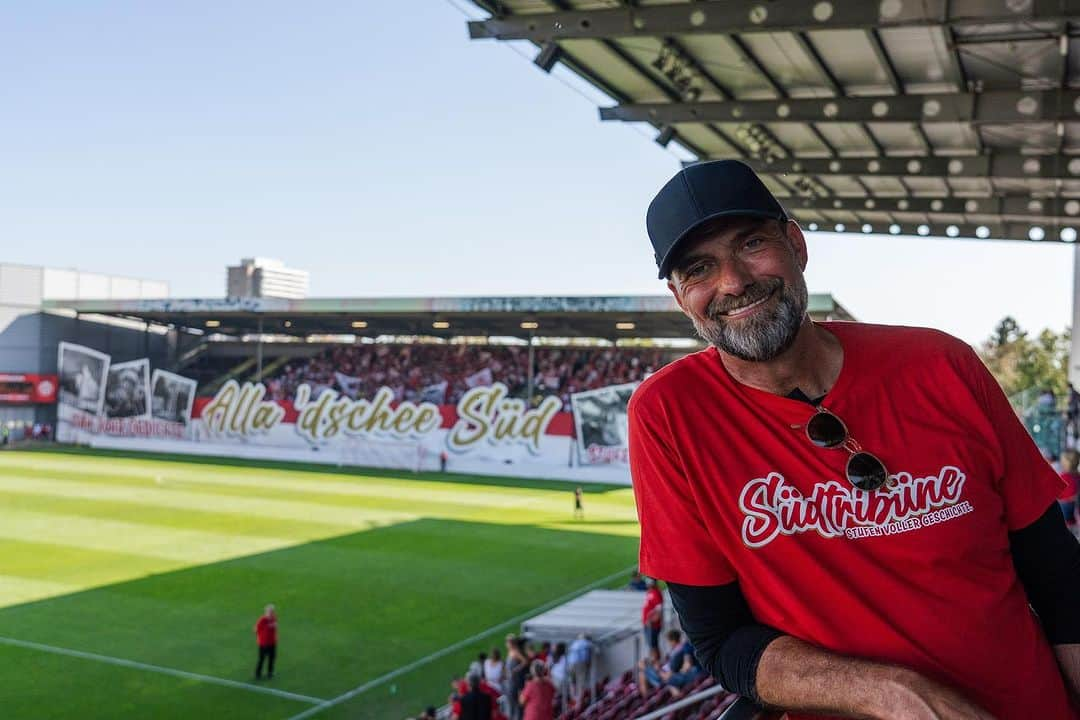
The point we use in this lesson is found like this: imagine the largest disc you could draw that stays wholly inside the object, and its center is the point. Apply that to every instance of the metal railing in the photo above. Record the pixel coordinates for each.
(741, 709)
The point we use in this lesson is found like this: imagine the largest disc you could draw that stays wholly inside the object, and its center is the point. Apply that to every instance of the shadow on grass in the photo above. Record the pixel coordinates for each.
(351, 608)
(327, 469)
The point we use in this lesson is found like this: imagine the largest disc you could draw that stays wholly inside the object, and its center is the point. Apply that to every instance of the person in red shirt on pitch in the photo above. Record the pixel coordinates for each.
(850, 519)
(652, 614)
(266, 637)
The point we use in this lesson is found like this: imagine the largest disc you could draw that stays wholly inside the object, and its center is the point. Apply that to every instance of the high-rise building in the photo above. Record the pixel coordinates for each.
(266, 277)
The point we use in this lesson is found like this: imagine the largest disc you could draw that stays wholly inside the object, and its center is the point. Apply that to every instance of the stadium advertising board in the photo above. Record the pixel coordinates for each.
(128, 405)
(27, 389)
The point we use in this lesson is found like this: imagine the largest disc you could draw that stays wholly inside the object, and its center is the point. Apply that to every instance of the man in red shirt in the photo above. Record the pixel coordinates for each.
(652, 614)
(850, 518)
(266, 637)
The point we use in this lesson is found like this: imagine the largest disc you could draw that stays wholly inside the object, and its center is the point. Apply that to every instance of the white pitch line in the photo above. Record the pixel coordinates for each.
(326, 704)
(159, 669)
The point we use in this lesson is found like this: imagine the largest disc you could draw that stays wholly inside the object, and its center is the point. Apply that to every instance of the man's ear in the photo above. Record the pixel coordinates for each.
(673, 287)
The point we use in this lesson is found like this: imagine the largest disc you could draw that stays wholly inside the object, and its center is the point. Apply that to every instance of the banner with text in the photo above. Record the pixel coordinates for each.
(128, 405)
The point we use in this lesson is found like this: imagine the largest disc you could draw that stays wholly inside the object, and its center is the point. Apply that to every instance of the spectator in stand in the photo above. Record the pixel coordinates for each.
(680, 646)
(517, 669)
(557, 667)
(442, 374)
(494, 669)
(474, 704)
(538, 697)
(652, 614)
(579, 660)
(649, 669)
(688, 673)
(1070, 459)
(266, 637)
(636, 582)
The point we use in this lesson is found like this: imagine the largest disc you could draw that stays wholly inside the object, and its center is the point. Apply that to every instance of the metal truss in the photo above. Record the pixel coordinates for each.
(1036, 232)
(1066, 210)
(989, 166)
(726, 17)
(1004, 107)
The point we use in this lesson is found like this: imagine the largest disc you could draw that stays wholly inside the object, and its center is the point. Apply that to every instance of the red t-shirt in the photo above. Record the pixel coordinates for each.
(539, 696)
(266, 631)
(653, 599)
(729, 488)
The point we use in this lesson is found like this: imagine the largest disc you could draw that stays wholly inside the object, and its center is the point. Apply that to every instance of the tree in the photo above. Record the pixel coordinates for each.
(1021, 363)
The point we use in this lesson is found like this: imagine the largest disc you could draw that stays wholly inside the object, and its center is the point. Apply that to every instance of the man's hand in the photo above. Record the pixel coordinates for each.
(794, 675)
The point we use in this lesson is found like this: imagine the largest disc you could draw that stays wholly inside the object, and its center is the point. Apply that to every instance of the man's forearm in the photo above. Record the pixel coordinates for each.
(1068, 657)
(794, 675)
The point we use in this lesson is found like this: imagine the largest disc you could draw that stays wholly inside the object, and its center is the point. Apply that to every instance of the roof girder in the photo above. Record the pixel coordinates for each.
(996, 107)
(1065, 209)
(727, 17)
(988, 166)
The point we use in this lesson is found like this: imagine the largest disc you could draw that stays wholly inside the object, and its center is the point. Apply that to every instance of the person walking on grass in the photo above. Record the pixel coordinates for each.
(579, 509)
(266, 637)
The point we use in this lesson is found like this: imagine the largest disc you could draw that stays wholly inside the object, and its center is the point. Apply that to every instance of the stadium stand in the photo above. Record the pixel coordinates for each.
(443, 373)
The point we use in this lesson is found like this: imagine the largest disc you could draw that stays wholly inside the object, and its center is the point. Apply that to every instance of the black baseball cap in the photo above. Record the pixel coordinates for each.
(702, 192)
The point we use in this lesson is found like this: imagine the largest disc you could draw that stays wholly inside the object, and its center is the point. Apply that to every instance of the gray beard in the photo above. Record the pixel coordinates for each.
(762, 336)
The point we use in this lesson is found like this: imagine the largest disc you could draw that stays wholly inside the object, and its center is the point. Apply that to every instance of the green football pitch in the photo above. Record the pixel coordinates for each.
(129, 585)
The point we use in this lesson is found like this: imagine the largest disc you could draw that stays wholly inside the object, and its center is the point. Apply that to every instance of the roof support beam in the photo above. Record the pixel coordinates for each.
(726, 17)
(995, 107)
(988, 166)
(1045, 233)
(1064, 209)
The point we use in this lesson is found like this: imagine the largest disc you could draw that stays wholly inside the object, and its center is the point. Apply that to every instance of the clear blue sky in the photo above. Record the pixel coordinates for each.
(375, 146)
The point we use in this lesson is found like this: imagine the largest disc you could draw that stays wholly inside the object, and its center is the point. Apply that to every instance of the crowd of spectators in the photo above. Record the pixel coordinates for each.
(541, 681)
(523, 686)
(443, 373)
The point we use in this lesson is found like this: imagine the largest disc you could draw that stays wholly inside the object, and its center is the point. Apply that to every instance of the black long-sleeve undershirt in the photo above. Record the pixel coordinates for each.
(729, 642)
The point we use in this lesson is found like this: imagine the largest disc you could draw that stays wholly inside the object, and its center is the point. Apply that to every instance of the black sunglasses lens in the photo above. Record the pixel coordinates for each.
(826, 431)
(866, 472)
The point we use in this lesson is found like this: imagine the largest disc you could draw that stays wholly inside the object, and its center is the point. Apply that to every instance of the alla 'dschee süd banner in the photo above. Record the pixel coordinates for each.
(131, 406)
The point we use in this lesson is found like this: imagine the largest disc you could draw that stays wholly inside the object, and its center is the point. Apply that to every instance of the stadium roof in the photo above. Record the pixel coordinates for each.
(951, 118)
(635, 316)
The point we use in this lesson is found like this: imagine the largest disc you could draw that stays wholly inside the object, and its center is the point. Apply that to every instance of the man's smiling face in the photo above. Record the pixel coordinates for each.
(740, 281)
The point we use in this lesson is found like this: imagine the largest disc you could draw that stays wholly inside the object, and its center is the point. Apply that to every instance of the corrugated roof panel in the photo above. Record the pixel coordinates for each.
(850, 56)
(848, 138)
(788, 64)
(720, 57)
(921, 58)
(799, 137)
(924, 186)
(615, 70)
(1027, 64)
(898, 138)
(950, 138)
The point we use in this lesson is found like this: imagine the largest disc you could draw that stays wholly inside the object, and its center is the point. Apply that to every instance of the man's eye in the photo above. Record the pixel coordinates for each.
(752, 243)
(695, 270)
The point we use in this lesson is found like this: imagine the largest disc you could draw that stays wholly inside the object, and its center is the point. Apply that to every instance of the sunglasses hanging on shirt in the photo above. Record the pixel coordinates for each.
(863, 470)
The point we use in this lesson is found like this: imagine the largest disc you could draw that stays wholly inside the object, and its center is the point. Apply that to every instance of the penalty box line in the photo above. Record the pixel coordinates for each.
(133, 664)
(327, 704)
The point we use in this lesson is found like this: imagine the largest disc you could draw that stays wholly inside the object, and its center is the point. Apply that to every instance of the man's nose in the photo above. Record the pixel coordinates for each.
(734, 277)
